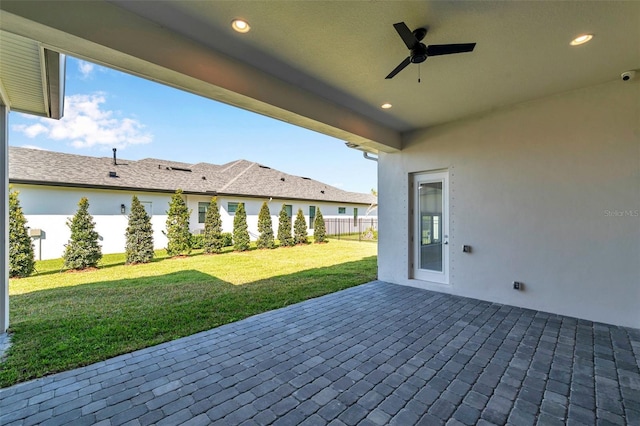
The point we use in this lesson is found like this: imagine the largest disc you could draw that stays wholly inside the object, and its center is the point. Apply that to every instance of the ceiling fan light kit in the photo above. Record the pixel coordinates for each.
(419, 52)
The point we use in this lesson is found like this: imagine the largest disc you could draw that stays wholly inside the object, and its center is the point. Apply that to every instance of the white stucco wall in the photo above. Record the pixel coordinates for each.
(547, 193)
(253, 205)
(48, 208)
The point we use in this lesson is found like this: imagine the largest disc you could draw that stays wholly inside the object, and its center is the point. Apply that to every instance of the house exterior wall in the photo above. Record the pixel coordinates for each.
(253, 205)
(546, 193)
(48, 208)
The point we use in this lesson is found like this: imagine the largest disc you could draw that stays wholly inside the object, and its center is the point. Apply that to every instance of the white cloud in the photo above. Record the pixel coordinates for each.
(31, 131)
(34, 147)
(86, 124)
(85, 68)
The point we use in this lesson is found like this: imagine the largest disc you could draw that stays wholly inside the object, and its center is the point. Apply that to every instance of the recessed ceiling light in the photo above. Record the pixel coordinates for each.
(582, 39)
(240, 25)
(386, 105)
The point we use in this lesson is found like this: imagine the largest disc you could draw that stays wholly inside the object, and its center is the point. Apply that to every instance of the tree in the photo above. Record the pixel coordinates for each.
(21, 258)
(240, 232)
(265, 228)
(213, 241)
(178, 235)
(300, 229)
(319, 230)
(284, 228)
(139, 234)
(83, 250)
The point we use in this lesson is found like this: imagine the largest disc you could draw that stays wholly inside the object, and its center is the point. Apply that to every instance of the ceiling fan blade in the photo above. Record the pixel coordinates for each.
(406, 35)
(447, 49)
(400, 67)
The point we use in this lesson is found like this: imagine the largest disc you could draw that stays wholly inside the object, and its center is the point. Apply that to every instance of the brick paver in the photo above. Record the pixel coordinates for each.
(370, 355)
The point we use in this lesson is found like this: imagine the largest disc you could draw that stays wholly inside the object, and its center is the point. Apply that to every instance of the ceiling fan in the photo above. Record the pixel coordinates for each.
(418, 52)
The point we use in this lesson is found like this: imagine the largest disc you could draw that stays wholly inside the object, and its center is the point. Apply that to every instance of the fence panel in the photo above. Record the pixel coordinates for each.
(361, 229)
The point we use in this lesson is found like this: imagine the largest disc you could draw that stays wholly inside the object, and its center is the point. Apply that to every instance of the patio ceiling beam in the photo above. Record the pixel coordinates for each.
(104, 33)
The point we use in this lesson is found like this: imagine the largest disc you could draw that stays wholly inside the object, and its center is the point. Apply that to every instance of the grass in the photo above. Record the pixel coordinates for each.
(64, 320)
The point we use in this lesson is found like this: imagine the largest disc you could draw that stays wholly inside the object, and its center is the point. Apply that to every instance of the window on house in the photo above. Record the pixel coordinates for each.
(312, 216)
(355, 216)
(202, 211)
(289, 209)
(232, 207)
(342, 210)
(148, 207)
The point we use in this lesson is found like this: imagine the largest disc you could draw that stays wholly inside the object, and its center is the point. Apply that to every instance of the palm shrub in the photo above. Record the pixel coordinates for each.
(240, 232)
(83, 250)
(213, 240)
(319, 230)
(300, 229)
(284, 228)
(178, 235)
(139, 234)
(265, 228)
(21, 258)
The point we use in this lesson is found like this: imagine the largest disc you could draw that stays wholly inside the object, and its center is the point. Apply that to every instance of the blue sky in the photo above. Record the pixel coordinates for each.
(107, 109)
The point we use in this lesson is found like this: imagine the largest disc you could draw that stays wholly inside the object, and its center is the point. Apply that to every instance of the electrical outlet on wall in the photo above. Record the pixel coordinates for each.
(517, 285)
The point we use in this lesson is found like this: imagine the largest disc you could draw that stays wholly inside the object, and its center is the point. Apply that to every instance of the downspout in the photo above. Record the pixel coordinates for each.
(366, 155)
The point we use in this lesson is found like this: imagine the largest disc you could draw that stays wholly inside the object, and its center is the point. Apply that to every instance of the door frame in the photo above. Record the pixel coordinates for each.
(440, 277)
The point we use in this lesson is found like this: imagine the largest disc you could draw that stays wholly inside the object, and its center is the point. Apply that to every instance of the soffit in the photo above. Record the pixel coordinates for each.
(21, 73)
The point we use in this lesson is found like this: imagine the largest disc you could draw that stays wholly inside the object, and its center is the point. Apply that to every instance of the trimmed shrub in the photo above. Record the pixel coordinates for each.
(83, 250)
(197, 241)
(300, 229)
(284, 228)
(265, 228)
(240, 230)
(212, 240)
(370, 234)
(139, 235)
(319, 230)
(227, 239)
(21, 258)
(178, 235)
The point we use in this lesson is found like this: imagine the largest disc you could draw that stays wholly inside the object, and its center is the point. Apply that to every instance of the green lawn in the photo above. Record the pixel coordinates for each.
(63, 320)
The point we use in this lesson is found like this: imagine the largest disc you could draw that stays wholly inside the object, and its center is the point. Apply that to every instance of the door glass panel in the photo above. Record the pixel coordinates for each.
(430, 206)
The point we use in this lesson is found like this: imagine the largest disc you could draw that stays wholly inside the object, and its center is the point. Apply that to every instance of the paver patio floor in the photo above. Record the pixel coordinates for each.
(372, 355)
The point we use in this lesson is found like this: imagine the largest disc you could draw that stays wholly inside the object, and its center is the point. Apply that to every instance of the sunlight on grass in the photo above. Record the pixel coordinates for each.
(62, 320)
(232, 267)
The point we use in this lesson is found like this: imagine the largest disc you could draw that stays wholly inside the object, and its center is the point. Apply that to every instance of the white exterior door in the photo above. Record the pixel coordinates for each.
(431, 227)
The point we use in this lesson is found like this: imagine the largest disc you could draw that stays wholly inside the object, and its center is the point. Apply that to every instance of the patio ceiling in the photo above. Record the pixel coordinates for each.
(322, 65)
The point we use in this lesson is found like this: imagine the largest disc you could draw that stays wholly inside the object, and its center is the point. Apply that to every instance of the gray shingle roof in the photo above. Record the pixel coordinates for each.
(241, 178)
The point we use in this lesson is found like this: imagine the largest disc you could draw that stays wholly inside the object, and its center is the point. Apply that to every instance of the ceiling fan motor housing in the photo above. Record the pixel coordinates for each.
(419, 53)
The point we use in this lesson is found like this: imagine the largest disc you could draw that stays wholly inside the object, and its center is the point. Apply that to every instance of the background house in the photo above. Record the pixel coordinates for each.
(52, 183)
